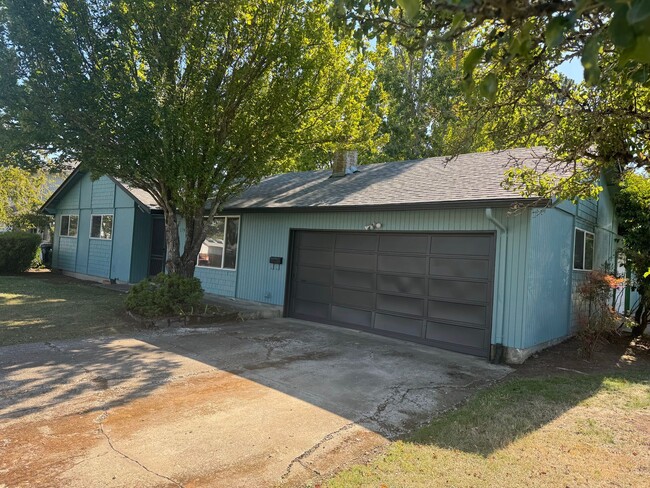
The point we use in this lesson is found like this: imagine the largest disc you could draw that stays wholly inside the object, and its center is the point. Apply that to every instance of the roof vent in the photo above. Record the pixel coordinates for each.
(344, 163)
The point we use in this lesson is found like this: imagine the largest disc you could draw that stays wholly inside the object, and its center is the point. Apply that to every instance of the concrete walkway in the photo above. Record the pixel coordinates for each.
(263, 403)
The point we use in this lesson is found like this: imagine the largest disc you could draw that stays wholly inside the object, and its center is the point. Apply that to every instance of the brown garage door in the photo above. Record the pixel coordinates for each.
(430, 288)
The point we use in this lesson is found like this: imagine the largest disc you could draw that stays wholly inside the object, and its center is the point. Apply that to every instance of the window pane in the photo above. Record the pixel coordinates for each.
(73, 225)
(578, 253)
(65, 222)
(589, 251)
(107, 226)
(211, 251)
(96, 226)
(232, 239)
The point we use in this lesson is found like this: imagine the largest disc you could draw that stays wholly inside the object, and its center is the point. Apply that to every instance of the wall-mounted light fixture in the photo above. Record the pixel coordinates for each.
(373, 226)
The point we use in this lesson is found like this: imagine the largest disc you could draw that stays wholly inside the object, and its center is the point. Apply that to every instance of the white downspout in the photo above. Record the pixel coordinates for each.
(502, 259)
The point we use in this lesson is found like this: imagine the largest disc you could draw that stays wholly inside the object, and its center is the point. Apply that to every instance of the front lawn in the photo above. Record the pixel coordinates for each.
(555, 426)
(37, 307)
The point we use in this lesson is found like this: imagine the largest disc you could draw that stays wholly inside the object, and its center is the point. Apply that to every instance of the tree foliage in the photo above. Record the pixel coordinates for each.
(191, 101)
(514, 95)
(633, 210)
(22, 192)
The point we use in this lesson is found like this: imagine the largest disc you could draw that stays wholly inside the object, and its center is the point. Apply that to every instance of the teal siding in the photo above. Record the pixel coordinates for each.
(548, 281)
(141, 245)
(217, 281)
(267, 234)
(96, 257)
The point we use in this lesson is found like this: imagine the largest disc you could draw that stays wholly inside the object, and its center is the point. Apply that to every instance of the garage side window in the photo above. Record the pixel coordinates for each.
(219, 249)
(101, 226)
(69, 225)
(583, 251)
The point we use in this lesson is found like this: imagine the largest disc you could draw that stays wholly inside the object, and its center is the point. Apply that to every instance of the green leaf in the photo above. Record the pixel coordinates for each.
(647, 273)
(639, 52)
(472, 59)
(590, 61)
(410, 7)
(488, 86)
(457, 21)
(555, 31)
(619, 29)
(639, 11)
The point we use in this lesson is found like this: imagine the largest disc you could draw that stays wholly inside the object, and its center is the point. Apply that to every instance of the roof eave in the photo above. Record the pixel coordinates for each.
(482, 203)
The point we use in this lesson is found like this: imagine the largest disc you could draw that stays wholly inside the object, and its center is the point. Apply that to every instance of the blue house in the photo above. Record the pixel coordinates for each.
(431, 251)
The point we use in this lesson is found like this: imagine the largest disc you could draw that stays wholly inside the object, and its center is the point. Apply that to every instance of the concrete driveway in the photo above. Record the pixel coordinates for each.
(262, 403)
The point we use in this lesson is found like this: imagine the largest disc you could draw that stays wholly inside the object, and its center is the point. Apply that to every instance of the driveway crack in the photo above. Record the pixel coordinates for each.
(301, 458)
(126, 456)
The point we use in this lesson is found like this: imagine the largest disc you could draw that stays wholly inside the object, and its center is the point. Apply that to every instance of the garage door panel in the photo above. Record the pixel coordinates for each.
(456, 244)
(468, 290)
(314, 293)
(434, 288)
(355, 298)
(351, 316)
(404, 243)
(355, 260)
(319, 311)
(458, 312)
(397, 324)
(312, 257)
(412, 285)
(354, 279)
(310, 274)
(400, 304)
(319, 240)
(453, 334)
(357, 242)
(402, 264)
(459, 267)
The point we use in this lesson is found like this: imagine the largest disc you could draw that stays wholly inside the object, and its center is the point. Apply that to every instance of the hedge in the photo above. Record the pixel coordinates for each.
(17, 250)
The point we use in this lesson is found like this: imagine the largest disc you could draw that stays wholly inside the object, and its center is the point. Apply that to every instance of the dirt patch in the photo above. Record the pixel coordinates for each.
(620, 353)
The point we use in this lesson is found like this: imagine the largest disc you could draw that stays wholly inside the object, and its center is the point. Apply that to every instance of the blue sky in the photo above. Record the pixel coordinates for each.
(572, 69)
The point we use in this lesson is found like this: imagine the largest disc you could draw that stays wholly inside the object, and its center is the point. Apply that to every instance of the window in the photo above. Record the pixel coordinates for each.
(101, 226)
(219, 249)
(583, 251)
(69, 225)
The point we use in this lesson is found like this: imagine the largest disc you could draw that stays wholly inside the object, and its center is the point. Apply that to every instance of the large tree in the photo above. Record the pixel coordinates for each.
(509, 75)
(189, 100)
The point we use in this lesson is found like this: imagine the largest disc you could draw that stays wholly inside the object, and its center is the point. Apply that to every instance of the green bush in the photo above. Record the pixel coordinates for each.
(165, 295)
(17, 250)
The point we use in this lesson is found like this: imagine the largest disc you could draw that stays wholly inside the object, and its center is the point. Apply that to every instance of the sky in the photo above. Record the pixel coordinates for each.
(572, 69)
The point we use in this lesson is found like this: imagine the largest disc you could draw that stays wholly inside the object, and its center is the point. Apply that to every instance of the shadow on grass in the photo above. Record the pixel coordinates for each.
(505, 413)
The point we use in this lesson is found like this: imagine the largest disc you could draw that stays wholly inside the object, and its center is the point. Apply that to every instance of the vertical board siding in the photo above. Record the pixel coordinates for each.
(67, 252)
(267, 234)
(548, 282)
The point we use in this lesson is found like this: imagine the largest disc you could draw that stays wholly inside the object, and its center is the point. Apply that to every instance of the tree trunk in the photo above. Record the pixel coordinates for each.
(177, 263)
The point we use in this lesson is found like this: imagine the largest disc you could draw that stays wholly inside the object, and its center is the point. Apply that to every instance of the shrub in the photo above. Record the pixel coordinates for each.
(17, 250)
(165, 295)
(597, 321)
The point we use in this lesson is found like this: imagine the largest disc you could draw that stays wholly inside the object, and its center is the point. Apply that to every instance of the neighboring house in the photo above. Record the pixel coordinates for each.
(429, 251)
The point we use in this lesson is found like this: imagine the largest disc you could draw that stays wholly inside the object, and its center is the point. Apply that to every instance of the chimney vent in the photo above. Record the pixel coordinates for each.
(344, 163)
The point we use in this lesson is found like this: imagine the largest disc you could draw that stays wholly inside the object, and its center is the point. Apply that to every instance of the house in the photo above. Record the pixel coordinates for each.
(431, 251)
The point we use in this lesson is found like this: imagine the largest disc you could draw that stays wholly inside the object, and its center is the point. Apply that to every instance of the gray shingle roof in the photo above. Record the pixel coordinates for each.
(466, 179)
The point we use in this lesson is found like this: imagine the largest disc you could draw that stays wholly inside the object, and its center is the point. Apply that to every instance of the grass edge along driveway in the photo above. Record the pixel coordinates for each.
(564, 430)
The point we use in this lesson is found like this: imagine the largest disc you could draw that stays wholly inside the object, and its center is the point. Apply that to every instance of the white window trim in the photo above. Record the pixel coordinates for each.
(90, 231)
(61, 225)
(584, 248)
(223, 255)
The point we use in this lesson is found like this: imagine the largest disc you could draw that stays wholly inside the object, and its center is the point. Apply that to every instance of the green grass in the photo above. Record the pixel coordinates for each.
(586, 430)
(37, 307)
